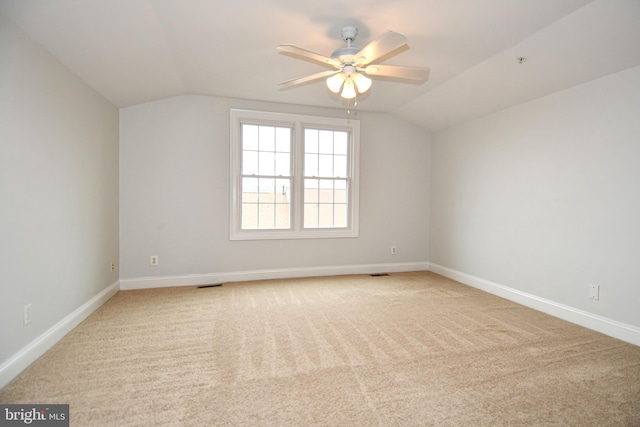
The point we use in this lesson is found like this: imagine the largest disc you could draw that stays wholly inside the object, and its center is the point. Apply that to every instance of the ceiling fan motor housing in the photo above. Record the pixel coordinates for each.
(345, 54)
(349, 70)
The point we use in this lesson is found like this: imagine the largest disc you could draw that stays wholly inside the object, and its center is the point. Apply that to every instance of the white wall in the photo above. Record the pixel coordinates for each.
(58, 194)
(544, 198)
(174, 195)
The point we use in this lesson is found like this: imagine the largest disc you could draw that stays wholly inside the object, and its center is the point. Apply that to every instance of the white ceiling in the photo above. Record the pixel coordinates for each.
(135, 51)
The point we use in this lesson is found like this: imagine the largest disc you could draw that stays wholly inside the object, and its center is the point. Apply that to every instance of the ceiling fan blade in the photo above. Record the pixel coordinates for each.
(307, 79)
(308, 54)
(379, 48)
(409, 73)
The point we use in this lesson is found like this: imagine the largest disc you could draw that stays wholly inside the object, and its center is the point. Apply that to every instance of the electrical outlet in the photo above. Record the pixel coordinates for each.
(594, 291)
(153, 260)
(394, 250)
(26, 313)
(113, 266)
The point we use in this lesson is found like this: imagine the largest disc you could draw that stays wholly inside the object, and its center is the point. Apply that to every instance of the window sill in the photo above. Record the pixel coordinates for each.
(291, 235)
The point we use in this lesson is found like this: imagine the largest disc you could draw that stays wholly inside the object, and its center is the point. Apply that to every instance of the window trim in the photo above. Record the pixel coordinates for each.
(298, 123)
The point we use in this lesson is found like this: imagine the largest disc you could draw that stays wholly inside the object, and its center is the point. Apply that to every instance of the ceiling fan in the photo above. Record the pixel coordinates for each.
(353, 65)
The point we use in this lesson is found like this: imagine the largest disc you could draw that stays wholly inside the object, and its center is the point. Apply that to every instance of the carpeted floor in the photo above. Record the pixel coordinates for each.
(399, 350)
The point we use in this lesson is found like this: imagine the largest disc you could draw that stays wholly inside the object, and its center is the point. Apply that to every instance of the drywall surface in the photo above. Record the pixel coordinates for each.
(544, 197)
(174, 193)
(58, 189)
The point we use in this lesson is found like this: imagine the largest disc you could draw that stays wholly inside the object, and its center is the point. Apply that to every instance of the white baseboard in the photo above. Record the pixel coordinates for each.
(283, 273)
(21, 360)
(612, 328)
(36, 348)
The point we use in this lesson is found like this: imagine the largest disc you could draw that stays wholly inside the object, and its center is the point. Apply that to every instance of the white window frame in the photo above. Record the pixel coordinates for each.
(298, 123)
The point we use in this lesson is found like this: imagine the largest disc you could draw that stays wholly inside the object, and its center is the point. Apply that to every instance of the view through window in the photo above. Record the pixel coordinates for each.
(266, 177)
(326, 155)
(293, 176)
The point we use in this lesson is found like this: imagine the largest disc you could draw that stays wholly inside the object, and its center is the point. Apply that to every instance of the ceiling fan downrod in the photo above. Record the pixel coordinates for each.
(346, 53)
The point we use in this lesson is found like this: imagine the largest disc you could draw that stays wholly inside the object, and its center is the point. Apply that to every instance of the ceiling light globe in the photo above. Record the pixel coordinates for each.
(363, 83)
(334, 83)
(349, 90)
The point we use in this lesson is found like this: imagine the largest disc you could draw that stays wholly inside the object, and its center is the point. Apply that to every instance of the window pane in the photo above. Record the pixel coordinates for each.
(249, 216)
(282, 203)
(310, 190)
(340, 215)
(266, 216)
(325, 165)
(249, 162)
(267, 135)
(283, 191)
(325, 143)
(283, 165)
(311, 195)
(267, 190)
(266, 203)
(266, 164)
(340, 143)
(283, 216)
(310, 165)
(340, 166)
(340, 191)
(325, 183)
(326, 191)
(250, 190)
(325, 215)
(283, 140)
(310, 215)
(310, 140)
(326, 200)
(249, 137)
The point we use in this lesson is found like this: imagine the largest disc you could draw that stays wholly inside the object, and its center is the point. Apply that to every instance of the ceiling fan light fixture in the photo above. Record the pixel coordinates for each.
(334, 83)
(350, 82)
(363, 83)
(349, 90)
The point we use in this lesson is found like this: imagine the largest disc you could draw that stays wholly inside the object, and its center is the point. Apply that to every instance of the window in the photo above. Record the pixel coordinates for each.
(293, 176)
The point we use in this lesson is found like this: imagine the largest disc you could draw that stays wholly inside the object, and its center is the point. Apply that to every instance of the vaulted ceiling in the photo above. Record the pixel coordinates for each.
(135, 51)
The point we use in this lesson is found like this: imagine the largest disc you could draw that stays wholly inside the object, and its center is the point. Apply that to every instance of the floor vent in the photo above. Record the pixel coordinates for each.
(210, 286)
(379, 274)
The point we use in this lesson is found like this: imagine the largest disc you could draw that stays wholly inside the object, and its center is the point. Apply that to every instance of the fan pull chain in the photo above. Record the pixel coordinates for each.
(355, 104)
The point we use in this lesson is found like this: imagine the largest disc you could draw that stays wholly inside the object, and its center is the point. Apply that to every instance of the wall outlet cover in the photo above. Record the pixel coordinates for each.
(27, 314)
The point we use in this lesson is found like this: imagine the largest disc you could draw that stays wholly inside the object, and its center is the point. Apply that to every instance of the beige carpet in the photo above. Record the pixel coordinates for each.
(399, 350)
